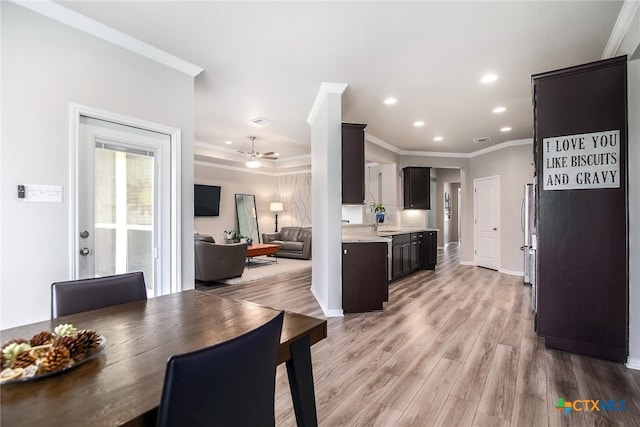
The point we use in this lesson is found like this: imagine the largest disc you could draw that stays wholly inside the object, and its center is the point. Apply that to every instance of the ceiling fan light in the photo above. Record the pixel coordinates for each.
(253, 164)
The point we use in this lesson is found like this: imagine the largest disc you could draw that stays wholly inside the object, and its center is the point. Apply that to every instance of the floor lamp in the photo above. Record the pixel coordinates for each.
(276, 207)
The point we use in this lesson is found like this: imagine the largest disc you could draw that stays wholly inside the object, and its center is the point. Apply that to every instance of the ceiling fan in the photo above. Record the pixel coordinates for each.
(254, 155)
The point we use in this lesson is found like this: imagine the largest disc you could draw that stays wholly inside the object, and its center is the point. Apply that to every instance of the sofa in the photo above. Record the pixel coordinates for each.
(217, 262)
(295, 242)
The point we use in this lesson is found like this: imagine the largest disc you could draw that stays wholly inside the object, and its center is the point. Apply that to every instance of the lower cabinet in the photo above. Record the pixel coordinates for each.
(430, 253)
(413, 251)
(364, 276)
(416, 250)
(400, 256)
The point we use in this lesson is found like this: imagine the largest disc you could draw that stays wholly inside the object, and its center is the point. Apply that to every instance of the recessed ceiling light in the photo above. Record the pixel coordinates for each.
(499, 110)
(438, 138)
(390, 101)
(488, 78)
(418, 123)
(505, 129)
(228, 142)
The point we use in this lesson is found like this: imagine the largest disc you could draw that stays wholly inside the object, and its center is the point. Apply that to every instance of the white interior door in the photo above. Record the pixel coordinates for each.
(487, 221)
(123, 202)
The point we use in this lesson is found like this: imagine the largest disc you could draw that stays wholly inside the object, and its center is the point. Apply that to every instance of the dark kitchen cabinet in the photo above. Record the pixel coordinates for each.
(416, 187)
(353, 163)
(416, 250)
(400, 256)
(413, 251)
(430, 250)
(582, 231)
(365, 286)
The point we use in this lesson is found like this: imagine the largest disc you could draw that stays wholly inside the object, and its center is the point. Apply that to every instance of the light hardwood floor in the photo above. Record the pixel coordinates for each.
(453, 347)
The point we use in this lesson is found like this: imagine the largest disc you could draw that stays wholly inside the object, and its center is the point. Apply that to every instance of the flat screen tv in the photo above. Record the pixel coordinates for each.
(206, 200)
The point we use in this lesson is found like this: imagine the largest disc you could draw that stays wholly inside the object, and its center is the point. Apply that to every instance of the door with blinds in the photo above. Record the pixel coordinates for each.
(123, 201)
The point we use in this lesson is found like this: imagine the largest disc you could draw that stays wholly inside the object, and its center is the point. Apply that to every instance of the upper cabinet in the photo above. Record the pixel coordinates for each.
(353, 163)
(417, 184)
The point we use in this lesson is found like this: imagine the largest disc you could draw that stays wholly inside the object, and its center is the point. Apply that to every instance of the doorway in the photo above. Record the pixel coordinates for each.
(124, 199)
(486, 209)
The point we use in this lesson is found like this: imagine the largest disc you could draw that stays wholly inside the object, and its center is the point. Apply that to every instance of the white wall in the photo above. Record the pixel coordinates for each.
(380, 188)
(294, 191)
(515, 167)
(419, 218)
(45, 67)
(234, 182)
(514, 164)
(453, 221)
(444, 177)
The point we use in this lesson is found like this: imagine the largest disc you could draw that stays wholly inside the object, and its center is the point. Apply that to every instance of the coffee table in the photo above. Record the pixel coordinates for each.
(260, 249)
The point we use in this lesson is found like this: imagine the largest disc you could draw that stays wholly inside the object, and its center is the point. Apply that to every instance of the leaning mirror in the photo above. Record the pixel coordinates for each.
(247, 216)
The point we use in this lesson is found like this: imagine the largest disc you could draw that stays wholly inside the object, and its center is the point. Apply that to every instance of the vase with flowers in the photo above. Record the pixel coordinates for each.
(379, 210)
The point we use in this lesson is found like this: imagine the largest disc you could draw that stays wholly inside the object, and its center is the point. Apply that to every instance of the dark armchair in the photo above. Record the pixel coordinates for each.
(217, 262)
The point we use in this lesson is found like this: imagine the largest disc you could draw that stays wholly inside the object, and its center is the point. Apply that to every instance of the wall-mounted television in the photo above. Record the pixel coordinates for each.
(206, 199)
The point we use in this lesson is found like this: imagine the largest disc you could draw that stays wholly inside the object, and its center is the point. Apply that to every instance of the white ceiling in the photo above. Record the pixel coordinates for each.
(268, 59)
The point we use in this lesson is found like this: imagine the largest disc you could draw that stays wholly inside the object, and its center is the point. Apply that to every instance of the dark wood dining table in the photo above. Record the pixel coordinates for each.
(123, 384)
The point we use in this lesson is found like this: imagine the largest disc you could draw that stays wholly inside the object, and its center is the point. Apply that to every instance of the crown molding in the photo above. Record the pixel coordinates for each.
(281, 163)
(473, 154)
(625, 18)
(80, 22)
(258, 171)
(501, 146)
(381, 143)
(400, 152)
(434, 154)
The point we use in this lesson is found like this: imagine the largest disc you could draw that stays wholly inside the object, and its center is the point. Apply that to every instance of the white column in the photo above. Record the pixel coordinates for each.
(325, 120)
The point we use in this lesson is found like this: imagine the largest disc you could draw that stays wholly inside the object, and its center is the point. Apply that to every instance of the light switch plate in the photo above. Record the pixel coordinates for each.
(43, 193)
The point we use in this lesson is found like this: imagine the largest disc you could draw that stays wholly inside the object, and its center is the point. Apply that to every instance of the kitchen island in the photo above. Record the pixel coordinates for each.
(371, 259)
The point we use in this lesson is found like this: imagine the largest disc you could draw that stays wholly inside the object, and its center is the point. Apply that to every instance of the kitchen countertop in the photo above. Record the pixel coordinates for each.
(365, 234)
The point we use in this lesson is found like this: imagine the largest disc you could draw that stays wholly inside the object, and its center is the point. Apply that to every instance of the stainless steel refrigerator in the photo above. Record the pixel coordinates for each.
(529, 248)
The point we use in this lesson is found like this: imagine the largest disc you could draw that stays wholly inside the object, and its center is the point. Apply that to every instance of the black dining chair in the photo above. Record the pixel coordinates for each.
(229, 384)
(75, 296)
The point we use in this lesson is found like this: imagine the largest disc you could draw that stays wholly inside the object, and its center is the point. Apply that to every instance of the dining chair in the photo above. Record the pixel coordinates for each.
(75, 296)
(228, 384)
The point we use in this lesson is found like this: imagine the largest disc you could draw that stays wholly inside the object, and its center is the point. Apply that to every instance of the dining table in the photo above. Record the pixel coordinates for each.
(122, 384)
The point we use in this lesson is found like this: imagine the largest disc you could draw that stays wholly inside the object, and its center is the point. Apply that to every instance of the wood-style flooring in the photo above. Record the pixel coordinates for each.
(453, 347)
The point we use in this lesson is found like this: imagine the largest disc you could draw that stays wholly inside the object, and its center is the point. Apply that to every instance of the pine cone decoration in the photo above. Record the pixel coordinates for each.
(72, 345)
(57, 358)
(14, 340)
(4, 361)
(23, 360)
(42, 338)
(87, 341)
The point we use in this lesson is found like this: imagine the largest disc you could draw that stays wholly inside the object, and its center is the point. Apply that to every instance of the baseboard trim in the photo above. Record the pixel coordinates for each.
(511, 272)
(325, 310)
(500, 270)
(633, 363)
